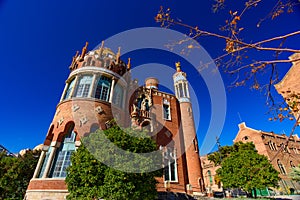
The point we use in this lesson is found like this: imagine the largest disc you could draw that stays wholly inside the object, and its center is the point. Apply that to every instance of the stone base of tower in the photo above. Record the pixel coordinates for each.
(46, 188)
(46, 194)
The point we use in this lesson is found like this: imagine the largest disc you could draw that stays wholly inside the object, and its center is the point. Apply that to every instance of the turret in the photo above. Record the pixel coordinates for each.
(195, 177)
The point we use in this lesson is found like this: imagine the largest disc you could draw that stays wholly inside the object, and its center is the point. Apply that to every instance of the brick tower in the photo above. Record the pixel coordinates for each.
(194, 169)
(96, 85)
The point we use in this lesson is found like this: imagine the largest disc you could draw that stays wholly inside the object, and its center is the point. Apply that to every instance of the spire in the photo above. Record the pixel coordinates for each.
(74, 57)
(178, 66)
(72, 66)
(118, 55)
(84, 49)
(129, 64)
(101, 47)
(102, 44)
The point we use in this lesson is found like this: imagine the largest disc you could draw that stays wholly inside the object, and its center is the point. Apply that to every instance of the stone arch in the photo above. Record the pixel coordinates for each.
(68, 126)
(49, 136)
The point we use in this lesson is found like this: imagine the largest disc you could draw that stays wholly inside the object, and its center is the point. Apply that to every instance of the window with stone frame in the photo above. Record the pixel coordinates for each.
(180, 90)
(62, 158)
(118, 95)
(46, 158)
(69, 89)
(166, 110)
(84, 85)
(170, 165)
(272, 145)
(210, 177)
(295, 150)
(285, 148)
(103, 88)
(281, 167)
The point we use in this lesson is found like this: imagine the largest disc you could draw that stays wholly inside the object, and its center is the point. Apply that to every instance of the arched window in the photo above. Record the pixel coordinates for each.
(210, 177)
(83, 87)
(170, 163)
(185, 89)
(118, 95)
(103, 88)
(180, 90)
(166, 110)
(285, 148)
(69, 90)
(63, 155)
(272, 146)
(281, 167)
(295, 150)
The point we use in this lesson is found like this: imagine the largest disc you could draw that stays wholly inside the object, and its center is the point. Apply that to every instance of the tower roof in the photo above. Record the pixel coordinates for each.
(179, 75)
(99, 57)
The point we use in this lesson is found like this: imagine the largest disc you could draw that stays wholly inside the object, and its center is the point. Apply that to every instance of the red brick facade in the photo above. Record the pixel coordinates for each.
(90, 101)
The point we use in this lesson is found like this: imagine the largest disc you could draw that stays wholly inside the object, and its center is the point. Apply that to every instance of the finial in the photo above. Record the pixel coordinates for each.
(101, 47)
(128, 64)
(178, 66)
(84, 49)
(118, 54)
(76, 55)
(74, 60)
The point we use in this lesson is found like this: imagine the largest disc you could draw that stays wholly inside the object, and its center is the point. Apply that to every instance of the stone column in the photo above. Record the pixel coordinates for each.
(64, 92)
(75, 85)
(123, 97)
(187, 90)
(112, 90)
(176, 90)
(50, 159)
(92, 86)
(38, 167)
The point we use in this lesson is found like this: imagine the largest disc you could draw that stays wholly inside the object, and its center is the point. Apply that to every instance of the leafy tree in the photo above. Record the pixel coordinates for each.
(16, 173)
(295, 173)
(89, 177)
(218, 156)
(246, 169)
(85, 175)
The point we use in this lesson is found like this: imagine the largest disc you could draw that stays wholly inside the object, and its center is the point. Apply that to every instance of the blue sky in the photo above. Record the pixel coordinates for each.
(39, 38)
